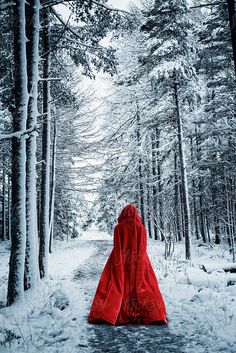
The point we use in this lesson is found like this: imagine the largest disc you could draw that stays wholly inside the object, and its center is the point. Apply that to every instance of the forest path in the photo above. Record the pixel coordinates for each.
(200, 307)
(126, 338)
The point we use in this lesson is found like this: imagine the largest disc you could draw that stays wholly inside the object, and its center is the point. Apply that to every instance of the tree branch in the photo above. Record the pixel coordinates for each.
(17, 134)
(6, 6)
(71, 30)
(48, 3)
(206, 5)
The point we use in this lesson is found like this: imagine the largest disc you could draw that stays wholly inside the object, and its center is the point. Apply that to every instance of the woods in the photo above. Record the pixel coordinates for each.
(31, 101)
(163, 138)
(176, 64)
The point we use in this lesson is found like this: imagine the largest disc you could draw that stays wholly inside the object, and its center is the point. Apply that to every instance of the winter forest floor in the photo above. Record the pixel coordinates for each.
(201, 307)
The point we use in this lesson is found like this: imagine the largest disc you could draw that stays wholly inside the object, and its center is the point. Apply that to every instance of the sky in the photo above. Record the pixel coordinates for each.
(121, 4)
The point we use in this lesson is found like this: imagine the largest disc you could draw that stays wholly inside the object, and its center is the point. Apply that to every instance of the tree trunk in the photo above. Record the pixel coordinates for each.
(207, 225)
(187, 221)
(200, 190)
(53, 184)
(140, 172)
(230, 224)
(176, 201)
(154, 186)
(194, 188)
(160, 189)
(232, 23)
(31, 276)
(181, 209)
(202, 212)
(9, 207)
(18, 225)
(149, 212)
(215, 202)
(45, 182)
(4, 230)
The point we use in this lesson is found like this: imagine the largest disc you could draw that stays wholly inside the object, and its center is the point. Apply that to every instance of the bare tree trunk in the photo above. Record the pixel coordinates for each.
(149, 212)
(176, 198)
(195, 216)
(215, 205)
(4, 230)
(9, 207)
(200, 190)
(18, 225)
(45, 182)
(207, 225)
(201, 216)
(184, 181)
(159, 183)
(140, 172)
(160, 189)
(31, 275)
(232, 23)
(53, 183)
(230, 224)
(154, 186)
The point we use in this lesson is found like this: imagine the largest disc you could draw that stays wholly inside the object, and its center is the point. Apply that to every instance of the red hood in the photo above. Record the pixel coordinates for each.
(129, 214)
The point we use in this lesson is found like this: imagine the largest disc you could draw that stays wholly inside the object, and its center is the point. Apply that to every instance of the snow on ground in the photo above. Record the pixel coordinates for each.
(196, 296)
(201, 307)
(51, 315)
(93, 234)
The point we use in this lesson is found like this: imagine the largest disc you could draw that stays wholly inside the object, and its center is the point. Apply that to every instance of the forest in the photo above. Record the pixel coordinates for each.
(103, 106)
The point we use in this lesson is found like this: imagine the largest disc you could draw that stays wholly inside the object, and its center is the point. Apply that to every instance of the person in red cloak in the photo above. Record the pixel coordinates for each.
(128, 290)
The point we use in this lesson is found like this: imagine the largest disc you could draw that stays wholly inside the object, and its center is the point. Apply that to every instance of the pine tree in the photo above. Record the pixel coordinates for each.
(169, 61)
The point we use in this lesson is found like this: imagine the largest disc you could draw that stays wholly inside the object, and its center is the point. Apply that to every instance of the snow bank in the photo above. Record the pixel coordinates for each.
(199, 303)
(48, 318)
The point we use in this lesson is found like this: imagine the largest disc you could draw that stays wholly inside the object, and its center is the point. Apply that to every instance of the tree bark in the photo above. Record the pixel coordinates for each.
(31, 275)
(18, 225)
(184, 181)
(176, 200)
(4, 230)
(140, 172)
(232, 23)
(154, 186)
(53, 184)
(9, 207)
(202, 229)
(149, 212)
(194, 188)
(45, 181)
(160, 199)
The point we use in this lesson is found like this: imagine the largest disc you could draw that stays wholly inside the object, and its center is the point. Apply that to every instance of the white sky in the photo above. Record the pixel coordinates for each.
(120, 4)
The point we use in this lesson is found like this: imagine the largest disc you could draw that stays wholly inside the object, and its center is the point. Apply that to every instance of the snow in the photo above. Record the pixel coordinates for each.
(40, 322)
(203, 300)
(93, 234)
(201, 307)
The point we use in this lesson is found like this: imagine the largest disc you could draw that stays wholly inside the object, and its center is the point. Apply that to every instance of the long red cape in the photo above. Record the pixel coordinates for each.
(128, 290)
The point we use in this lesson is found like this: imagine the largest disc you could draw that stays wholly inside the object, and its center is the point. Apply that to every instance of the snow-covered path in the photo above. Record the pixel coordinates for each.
(183, 334)
(200, 306)
(129, 338)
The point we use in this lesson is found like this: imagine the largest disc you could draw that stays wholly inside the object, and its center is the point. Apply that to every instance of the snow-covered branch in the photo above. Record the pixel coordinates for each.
(48, 3)
(72, 31)
(6, 6)
(17, 134)
(207, 5)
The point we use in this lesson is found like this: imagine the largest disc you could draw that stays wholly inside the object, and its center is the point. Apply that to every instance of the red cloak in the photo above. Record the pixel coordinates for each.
(128, 290)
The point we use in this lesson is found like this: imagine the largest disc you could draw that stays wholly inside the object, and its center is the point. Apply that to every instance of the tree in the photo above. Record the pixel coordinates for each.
(169, 61)
(18, 226)
(31, 257)
(216, 69)
(46, 138)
